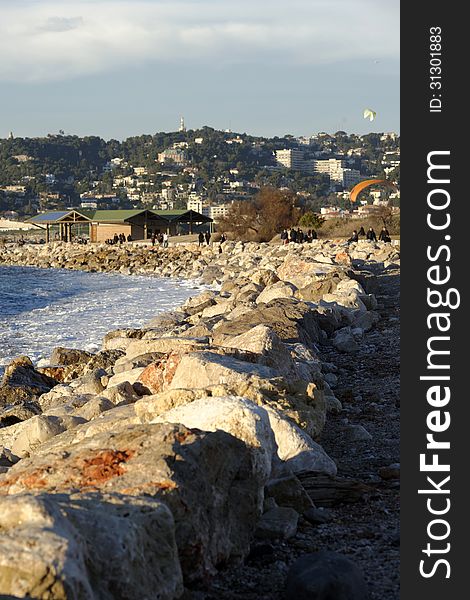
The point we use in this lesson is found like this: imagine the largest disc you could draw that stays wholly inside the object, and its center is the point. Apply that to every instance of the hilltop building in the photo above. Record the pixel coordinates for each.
(173, 155)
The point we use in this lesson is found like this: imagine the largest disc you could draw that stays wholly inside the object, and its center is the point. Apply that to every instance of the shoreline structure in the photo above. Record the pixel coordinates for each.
(147, 467)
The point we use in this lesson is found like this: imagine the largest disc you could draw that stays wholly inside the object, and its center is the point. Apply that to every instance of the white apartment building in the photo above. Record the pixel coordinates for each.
(195, 204)
(291, 159)
(350, 177)
(330, 166)
(216, 212)
(139, 171)
(337, 171)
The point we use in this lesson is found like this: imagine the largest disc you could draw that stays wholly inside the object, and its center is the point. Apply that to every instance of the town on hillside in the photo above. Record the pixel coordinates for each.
(204, 170)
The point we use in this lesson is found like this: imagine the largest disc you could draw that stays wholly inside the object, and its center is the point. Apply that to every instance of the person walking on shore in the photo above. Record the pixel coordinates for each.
(371, 235)
(165, 240)
(200, 238)
(154, 239)
(284, 236)
(208, 238)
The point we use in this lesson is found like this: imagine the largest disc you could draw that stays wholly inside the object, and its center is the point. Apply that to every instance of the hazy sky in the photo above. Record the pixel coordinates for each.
(117, 68)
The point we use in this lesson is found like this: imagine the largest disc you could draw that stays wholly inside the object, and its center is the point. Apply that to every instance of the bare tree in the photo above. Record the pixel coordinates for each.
(263, 216)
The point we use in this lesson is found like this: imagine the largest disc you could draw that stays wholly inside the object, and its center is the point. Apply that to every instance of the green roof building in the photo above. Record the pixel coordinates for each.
(103, 224)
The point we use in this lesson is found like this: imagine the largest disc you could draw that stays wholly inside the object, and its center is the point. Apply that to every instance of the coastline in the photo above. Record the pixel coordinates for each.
(43, 308)
(246, 358)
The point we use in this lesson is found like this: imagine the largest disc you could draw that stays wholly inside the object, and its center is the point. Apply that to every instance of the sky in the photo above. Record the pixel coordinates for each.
(118, 68)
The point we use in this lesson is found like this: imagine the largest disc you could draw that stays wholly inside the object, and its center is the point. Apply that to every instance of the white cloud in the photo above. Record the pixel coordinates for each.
(61, 39)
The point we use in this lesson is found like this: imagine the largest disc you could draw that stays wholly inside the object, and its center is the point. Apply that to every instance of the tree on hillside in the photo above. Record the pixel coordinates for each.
(263, 216)
(311, 220)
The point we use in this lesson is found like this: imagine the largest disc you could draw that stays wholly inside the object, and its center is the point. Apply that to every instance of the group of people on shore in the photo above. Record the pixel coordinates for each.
(384, 235)
(118, 239)
(297, 236)
(204, 238)
(160, 238)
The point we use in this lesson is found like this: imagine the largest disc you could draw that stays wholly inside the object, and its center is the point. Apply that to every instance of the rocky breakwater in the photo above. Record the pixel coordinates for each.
(146, 468)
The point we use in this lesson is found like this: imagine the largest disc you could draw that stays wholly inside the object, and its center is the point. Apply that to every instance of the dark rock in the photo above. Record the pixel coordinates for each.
(318, 516)
(22, 382)
(390, 472)
(18, 413)
(289, 318)
(278, 523)
(260, 553)
(103, 360)
(288, 491)
(325, 575)
(69, 356)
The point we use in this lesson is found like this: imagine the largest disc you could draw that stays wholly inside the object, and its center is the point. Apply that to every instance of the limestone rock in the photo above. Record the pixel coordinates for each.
(59, 546)
(91, 383)
(290, 319)
(344, 341)
(125, 376)
(280, 289)
(22, 382)
(296, 448)
(159, 375)
(119, 339)
(264, 341)
(203, 369)
(288, 491)
(32, 433)
(127, 364)
(302, 271)
(18, 413)
(325, 575)
(163, 345)
(122, 393)
(278, 523)
(150, 407)
(67, 356)
(241, 418)
(93, 408)
(210, 481)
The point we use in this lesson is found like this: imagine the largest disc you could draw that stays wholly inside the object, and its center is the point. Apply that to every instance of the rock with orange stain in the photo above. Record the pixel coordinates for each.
(212, 482)
(158, 375)
(343, 258)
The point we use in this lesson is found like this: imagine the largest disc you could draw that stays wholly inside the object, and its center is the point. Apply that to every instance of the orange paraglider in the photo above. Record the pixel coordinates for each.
(357, 189)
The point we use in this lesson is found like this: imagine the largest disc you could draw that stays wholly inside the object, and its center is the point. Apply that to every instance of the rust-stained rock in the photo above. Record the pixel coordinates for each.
(210, 481)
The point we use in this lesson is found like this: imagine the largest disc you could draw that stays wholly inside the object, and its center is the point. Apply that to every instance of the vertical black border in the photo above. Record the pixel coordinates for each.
(422, 132)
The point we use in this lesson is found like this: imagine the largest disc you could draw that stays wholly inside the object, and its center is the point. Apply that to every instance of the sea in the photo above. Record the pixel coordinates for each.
(44, 308)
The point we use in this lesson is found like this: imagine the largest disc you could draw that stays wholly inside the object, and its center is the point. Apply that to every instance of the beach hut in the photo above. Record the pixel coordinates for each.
(61, 222)
(103, 224)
